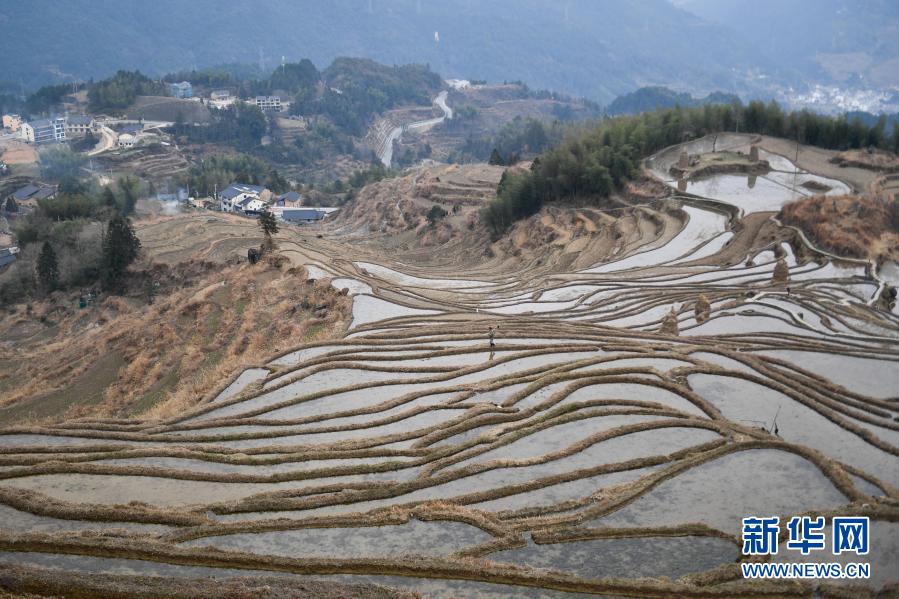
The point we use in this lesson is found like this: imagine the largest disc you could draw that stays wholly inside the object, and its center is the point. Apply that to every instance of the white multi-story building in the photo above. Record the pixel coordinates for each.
(269, 103)
(44, 131)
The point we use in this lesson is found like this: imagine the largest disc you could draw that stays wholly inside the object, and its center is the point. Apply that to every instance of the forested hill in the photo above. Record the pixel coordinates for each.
(600, 161)
(653, 98)
(592, 49)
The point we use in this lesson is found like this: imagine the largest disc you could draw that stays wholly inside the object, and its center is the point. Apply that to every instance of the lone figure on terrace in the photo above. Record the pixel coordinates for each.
(492, 336)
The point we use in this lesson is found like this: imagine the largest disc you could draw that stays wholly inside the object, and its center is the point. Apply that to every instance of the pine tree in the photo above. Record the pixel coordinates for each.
(48, 267)
(268, 223)
(269, 226)
(120, 249)
(109, 199)
(129, 188)
(495, 158)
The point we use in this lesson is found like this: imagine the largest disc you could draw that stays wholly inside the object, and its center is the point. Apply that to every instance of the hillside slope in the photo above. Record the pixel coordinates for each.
(587, 48)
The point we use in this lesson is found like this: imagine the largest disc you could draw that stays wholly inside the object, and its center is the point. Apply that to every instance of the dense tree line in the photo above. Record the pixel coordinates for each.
(241, 125)
(594, 163)
(357, 88)
(321, 139)
(61, 163)
(521, 137)
(44, 100)
(294, 77)
(358, 179)
(656, 97)
(81, 238)
(218, 171)
(119, 91)
(227, 75)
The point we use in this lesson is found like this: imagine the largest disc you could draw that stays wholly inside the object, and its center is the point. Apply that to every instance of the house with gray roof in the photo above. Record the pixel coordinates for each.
(231, 197)
(301, 215)
(79, 125)
(291, 198)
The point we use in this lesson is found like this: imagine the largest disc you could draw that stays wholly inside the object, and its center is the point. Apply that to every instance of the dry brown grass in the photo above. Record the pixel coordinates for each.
(855, 226)
(205, 329)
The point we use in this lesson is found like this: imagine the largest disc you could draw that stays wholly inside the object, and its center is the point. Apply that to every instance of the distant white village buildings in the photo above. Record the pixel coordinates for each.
(242, 198)
(51, 130)
(237, 197)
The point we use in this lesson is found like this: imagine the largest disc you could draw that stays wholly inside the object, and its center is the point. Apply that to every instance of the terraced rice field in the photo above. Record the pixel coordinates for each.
(587, 452)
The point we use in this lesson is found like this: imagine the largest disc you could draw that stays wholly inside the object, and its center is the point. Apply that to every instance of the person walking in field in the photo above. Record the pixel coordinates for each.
(492, 335)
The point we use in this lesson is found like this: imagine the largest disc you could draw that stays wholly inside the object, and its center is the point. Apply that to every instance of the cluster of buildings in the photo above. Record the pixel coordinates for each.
(51, 130)
(223, 99)
(242, 198)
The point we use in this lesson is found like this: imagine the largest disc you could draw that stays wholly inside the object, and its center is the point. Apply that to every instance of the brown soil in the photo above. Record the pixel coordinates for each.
(854, 226)
(721, 163)
(877, 160)
(819, 161)
(164, 108)
(18, 152)
(30, 581)
(123, 356)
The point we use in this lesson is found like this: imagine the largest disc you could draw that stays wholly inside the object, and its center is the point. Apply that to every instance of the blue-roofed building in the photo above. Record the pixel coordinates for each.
(45, 193)
(301, 215)
(8, 255)
(231, 197)
(23, 193)
(181, 90)
(34, 192)
(291, 198)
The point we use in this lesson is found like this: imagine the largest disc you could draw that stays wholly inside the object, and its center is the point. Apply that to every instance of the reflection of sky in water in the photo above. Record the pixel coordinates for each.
(765, 193)
(752, 193)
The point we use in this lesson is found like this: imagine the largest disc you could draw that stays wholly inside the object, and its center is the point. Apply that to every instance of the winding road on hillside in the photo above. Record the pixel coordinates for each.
(627, 415)
(385, 153)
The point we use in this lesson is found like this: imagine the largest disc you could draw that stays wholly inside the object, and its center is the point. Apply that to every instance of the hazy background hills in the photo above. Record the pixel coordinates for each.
(594, 48)
(845, 41)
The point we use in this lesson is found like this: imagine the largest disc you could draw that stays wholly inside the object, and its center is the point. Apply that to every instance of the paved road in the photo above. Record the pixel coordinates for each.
(108, 139)
(386, 153)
